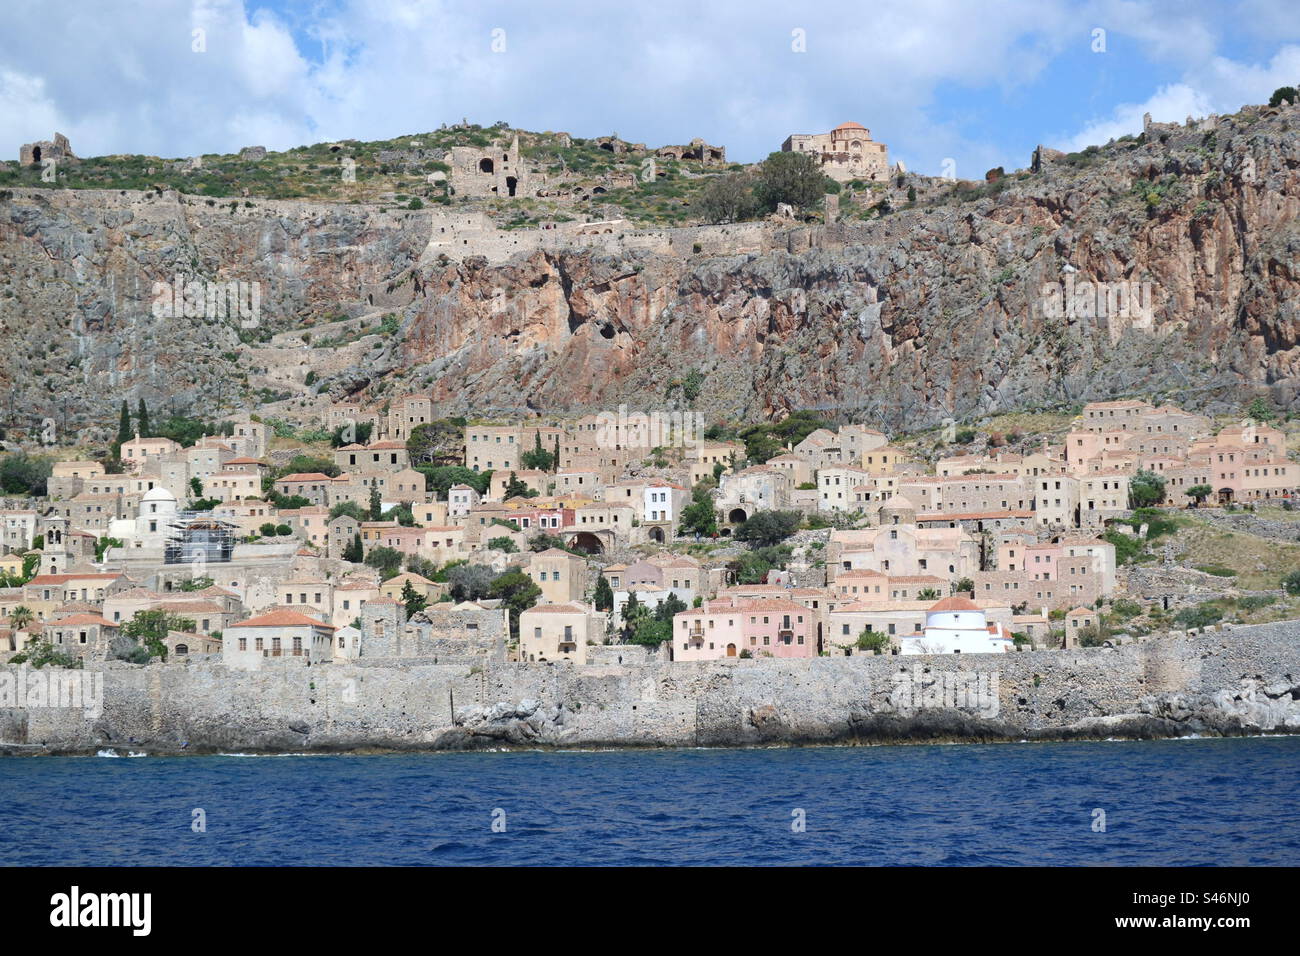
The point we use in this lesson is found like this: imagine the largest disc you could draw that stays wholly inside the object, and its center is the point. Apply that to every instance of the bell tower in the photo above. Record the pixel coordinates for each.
(56, 555)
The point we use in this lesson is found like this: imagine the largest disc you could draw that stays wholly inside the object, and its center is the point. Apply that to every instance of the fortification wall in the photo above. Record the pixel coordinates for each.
(1244, 680)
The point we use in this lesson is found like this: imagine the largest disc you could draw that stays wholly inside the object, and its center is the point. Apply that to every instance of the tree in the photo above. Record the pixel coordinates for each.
(1260, 411)
(769, 439)
(604, 599)
(1146, 489)
(728, 198)
(413, 600)
(349, 508)
(766, 528)
(20, 617)
(402, 514)
(196, 487)
(668, 608)
(440, 478)
(794, 178)
(1291, 582)
(23, 474)
(754, 566)
(517, 489)
(518, 592)
(555, 455)
(963, 586)
(142, 421)
(469, 582)
(870, 640)
(149, 629)
(354, 433)
(376, 506)
(267, 530)
(538, 459)
(41, 653)
(1199, 493)
(544, 542)
(691, 384)
(438, 443)
(388, 561)
(503, 544)
(650, 632)
(927, 594)
(355, 551)
(633, 612)
(699, 517)
(1287, 93)
(123, 430)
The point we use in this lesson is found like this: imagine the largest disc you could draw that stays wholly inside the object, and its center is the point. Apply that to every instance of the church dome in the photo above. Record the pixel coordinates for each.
(158, 493)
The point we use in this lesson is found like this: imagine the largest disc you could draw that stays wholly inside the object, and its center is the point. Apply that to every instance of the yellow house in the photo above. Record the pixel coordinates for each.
(392, 588)
(12, 564)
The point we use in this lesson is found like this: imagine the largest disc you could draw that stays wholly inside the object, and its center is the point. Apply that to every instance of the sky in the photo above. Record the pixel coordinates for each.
(956, 86)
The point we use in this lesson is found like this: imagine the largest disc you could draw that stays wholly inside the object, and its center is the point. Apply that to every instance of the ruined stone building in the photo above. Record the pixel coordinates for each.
(847, 152)
(494, 171)
(57, 149)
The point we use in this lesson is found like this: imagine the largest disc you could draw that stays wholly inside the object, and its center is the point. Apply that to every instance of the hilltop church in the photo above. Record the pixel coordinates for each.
(847, 152)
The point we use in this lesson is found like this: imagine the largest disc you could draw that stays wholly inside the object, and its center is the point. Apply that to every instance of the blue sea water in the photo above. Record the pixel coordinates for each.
(1186, 802)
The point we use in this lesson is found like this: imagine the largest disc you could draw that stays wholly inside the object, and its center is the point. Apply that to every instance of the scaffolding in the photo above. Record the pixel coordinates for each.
(196, 537)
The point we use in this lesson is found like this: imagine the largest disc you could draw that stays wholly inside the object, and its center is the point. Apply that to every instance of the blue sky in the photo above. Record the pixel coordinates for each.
(980, 83)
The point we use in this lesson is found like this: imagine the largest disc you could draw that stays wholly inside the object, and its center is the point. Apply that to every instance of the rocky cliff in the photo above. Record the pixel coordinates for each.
(1238, 682)
(931, 311)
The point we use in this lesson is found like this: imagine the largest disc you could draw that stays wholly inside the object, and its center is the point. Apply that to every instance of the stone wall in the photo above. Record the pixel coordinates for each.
(1237, 681)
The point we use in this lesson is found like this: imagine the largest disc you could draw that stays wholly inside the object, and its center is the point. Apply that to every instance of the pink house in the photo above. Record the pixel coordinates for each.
(765, 627)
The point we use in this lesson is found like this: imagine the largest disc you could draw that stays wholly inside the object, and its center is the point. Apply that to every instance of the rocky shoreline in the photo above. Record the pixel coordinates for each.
(1243, 681)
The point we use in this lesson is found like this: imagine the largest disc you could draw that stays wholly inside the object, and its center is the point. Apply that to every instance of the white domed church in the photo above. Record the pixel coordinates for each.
(957, 625)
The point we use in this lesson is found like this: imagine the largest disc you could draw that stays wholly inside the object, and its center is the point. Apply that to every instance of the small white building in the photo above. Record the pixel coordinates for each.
(957, 625)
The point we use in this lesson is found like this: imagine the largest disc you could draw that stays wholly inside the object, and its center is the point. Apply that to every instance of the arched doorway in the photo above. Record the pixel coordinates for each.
(737, 516)
(511, 183)
(731, 650)
(1225, 496)
(657, 535)
(485, 165)
(587, 542)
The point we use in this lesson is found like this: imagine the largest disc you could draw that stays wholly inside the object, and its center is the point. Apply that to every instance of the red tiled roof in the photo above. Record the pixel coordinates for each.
(283, 619)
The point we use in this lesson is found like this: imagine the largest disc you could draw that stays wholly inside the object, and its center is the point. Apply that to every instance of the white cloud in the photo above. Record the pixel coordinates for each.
(118, 79)
(1220, 85)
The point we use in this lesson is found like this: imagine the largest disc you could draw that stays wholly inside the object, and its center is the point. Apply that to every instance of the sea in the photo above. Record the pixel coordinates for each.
(1210, 802)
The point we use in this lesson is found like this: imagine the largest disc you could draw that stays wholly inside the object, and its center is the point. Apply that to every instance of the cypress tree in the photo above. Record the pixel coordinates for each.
(142, 420)
(124, 425)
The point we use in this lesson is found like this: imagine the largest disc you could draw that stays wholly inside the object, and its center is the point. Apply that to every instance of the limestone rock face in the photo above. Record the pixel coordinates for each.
(931, 312)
